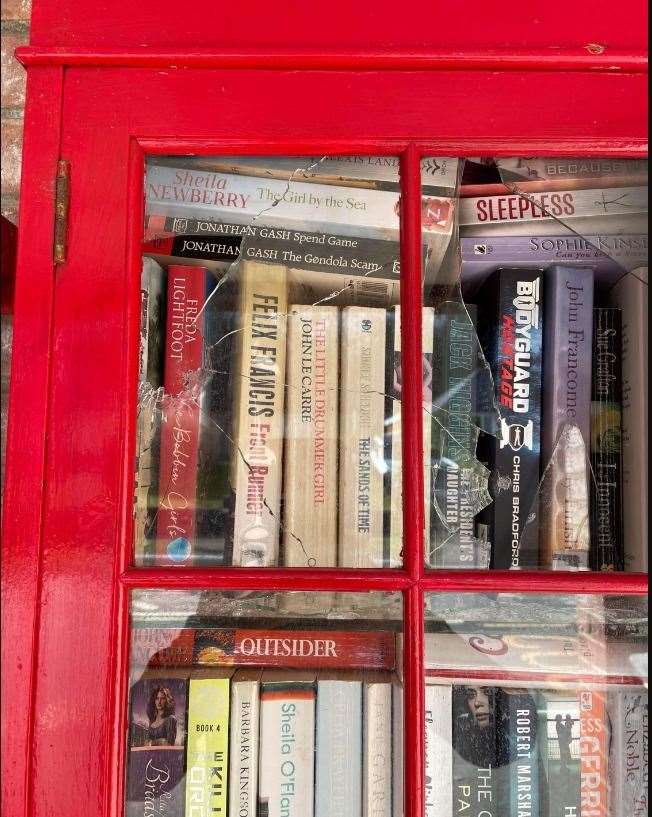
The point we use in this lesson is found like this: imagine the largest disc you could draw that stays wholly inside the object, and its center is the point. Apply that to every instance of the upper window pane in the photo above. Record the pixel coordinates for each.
(537, 421)
(269, 428)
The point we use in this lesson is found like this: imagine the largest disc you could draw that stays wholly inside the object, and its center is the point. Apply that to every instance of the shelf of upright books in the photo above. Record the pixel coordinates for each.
(536, 705)
(237, 707)
(269, 410)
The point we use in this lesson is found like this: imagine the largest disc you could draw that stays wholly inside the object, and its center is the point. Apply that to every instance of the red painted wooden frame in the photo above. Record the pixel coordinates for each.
(67, 523)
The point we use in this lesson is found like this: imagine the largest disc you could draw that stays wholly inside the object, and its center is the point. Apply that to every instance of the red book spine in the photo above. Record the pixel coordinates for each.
(306, 649)
(181, 409)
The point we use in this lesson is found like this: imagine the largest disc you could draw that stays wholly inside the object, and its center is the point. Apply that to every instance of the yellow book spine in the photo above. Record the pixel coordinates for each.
(207, 751)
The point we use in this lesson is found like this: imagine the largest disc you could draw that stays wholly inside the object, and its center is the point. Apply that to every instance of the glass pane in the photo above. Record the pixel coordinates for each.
(270, 381)
(537, 421)
(536, 705)
(237, 706)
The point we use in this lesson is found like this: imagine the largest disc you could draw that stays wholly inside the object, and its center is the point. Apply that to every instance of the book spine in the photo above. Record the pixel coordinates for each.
(150, 378)
(311, 438)
(455, 434)
(259, 389)
(377, 750)
(630, 295)
(517, 729)
(567, 417)
(594, 749)
(474, 752)
(439, 750)
(362, 433)
(398, 752)
(572, 168)
(338, 760)
(207, 752)
(628, 760)
(560, 205)
(393, 481)
(606, 442)
(513, 328)
(244, 747)
(287, 744)
(263, 648)
(180, 428)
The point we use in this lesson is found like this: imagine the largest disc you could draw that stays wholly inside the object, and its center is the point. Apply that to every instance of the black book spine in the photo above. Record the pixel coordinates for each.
(475, 758)
(511, 324)
(606, 442)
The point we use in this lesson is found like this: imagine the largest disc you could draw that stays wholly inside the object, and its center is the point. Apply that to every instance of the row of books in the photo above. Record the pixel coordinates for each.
(280, 743)
(289, 451)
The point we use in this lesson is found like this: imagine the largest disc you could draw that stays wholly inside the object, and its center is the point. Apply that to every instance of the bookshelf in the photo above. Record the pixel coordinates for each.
(103, 102)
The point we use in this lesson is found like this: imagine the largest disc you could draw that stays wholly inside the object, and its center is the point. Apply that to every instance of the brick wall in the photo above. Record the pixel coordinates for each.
(15, 31)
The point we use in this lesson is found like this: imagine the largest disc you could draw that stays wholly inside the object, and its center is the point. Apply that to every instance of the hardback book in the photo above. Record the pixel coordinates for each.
(287, 744)
(608, 255)
(188, 290)
(559, 740)
(517, 723)
(393, 480)
(439, 749)
(258, 403)
(474, 751)
(150, 381)
(377, 746)
(338, 745)
(398, 751)
(501, 213)
(207, 751)
(311, 438)
(244, 743)
(216, 646)
(459, 480)
(510, 321)
(367, 337)
(157, 746)
(345, 270)
(594, 752)
(629, 759)
(630, 296)
(606, 441)
(565, 529)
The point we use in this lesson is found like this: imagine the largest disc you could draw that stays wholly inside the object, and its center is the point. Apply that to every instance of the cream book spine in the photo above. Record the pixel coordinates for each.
(207, 752)
(259, 391)
(397, 751)
(377, 747)
(439, 750)
(287, 744)
(362, 433)
(244, 743)
(311, 437)
(395, 448)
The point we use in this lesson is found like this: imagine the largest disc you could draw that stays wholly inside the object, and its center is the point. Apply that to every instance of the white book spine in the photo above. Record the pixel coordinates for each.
(243, 772)
(338, 764)
(377, 750)
(259, 390)
(439, 750)
(287, 744)
(623, 224)
(561, 205)
(396, 506)
(362, 431)
(311, 437)
(398, 754)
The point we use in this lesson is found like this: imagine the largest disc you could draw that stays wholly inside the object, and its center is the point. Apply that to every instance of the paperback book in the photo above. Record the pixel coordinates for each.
(377, 746)
(244, 742)
(474, 751)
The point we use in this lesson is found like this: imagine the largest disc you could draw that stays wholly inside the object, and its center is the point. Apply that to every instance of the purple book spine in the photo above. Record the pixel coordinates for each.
(568, 329)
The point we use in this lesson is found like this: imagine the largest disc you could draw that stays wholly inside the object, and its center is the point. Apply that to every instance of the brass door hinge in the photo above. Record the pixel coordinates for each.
(61, 203)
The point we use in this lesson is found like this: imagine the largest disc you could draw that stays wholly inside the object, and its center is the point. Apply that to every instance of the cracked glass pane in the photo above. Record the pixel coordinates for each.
(536, 704)
(236, 706)
(270, 379)
(541, 374)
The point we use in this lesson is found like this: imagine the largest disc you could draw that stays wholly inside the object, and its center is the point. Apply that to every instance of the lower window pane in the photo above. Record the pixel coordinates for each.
(276, 705)
(536, 706)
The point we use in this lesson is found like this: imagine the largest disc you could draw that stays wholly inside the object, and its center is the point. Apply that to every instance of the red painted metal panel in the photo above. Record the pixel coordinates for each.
(324, 26)
(26, 465)
(110, 116)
